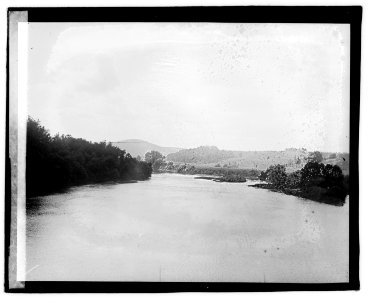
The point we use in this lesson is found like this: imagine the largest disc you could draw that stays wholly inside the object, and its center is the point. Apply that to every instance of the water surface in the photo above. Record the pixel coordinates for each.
(177, 228)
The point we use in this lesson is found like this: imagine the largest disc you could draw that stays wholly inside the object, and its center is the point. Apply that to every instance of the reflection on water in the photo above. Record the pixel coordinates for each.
(176, 228)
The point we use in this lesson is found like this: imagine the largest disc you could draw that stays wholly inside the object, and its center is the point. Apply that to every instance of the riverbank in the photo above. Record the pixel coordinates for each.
(218, 174)
(234, 179)
(58, 162)
(314, 193)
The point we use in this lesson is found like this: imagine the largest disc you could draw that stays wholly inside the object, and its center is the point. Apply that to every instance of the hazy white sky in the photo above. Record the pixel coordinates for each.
(235, 86)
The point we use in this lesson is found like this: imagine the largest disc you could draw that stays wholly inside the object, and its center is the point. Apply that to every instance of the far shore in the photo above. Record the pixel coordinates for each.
(234, 178)
(318, 196)
(221, 179)
(218, 174)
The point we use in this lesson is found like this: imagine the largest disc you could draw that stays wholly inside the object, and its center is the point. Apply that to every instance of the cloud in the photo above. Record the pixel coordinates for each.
(241, 86)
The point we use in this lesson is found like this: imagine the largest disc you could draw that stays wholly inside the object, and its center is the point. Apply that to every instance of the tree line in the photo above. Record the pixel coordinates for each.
(160, 165)
(60, 161)
(317, 181)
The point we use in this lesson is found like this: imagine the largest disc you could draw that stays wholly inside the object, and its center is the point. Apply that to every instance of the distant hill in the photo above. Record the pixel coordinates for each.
(293, 158)
(139, 147)
(211, 156)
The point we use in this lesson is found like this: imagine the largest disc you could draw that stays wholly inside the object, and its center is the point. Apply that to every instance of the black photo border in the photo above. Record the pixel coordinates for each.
(219, 14)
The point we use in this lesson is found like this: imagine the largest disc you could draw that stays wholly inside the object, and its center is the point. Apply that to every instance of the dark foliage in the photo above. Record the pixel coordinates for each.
(263, 175)
(316, 181)
(293, 179)
(326, 176)
(54, 163)
(277, 175)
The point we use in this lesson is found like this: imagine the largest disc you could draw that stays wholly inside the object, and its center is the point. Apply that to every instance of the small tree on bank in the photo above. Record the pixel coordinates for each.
(276, 175)
(263, 175)
(152, 156)
(158, 164)
(155, 158)
(315, 181)
(293, 179)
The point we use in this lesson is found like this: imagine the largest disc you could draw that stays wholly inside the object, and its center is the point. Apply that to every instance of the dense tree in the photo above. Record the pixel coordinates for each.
(263, 175)
(293, 179)
(332, 175)
(314, 178)
(312, 173)
(157, 164)
(152, 156)
(170, 166)
(276, 175)
(325, 183)
(53, 163)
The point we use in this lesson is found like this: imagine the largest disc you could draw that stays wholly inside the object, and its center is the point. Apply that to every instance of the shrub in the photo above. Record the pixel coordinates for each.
(263, 176)
(312, 174)
(277, 175)
(293, 180)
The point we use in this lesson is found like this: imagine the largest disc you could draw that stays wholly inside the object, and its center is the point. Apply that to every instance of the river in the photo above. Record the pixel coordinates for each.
(177, 228)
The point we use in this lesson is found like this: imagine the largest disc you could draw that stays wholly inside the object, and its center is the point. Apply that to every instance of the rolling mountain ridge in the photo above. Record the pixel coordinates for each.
(292, 158)
(139, 147)
(211, 156)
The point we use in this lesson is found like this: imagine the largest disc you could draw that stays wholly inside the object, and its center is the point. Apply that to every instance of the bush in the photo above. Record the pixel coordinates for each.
(316, 181)
(152, 156)
(312, 174)
(157, 164)
(276, 175)
(293, 180)
(263, 176)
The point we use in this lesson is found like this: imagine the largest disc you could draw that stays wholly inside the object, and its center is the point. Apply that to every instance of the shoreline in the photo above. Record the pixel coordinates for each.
(301, 194)
(232, 178)
(220, 179)
(66, 188)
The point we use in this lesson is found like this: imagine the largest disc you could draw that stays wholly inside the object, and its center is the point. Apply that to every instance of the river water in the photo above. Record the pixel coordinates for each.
(178, 228)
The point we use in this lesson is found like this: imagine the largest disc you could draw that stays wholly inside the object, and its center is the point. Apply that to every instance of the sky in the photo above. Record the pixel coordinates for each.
(234, 86)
